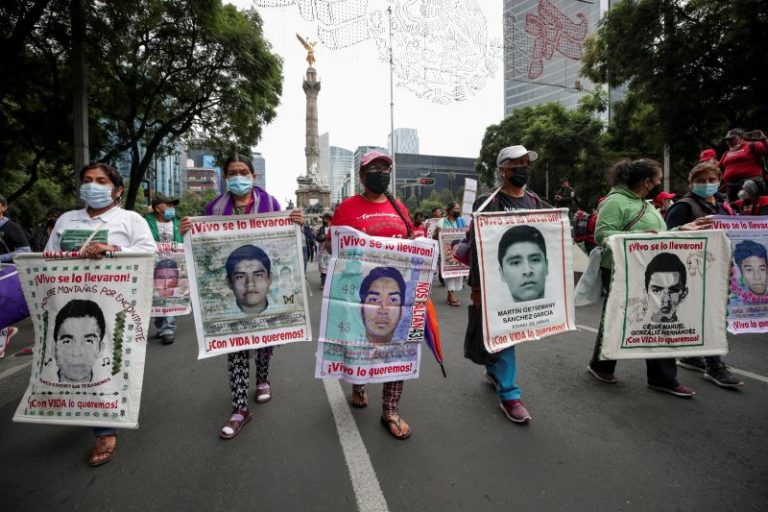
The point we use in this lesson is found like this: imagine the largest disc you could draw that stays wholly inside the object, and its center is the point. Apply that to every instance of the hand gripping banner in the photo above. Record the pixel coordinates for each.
(668, 295)
(526, 275)
(246, 276)
(374, 307)
(90, 319)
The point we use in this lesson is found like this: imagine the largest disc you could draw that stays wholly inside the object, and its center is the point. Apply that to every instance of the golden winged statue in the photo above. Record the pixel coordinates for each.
(310, 47)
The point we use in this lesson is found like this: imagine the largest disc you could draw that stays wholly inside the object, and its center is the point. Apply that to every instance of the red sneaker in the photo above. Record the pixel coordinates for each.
(515, 411)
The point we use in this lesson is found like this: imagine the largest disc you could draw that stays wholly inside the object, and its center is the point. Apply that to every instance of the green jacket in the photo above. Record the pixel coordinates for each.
(152, 221)
(617, 211)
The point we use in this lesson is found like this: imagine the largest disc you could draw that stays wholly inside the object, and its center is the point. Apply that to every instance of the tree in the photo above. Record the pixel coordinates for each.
(192, 202)
(165, 66)
(698, 64)
(569, 143)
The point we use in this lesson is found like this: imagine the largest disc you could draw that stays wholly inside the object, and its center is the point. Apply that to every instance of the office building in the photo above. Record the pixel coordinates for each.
(543, 50)
(406, 141)
(260, 168)
(448, 172)
(341, 163)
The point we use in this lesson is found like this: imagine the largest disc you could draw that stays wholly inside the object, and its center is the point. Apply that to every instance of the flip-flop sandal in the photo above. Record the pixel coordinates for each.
(359, 399)
(235, 424)
(102, 453)
(394, 422)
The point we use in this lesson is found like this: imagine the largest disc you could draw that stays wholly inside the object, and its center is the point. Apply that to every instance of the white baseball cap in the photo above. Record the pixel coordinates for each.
(515, 152)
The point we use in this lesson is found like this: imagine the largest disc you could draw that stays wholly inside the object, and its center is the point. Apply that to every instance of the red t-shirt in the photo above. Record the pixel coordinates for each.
(743, 162)
(419, 231)
(375, 219)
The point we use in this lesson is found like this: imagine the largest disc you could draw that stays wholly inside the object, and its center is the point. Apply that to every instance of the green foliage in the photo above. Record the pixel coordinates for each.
(192, 202)
(412, 203)
(694, 69)
(433, 201)
(44, 193)
(569, 143)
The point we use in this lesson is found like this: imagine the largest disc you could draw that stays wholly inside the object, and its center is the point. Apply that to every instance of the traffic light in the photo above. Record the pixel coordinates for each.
(426, 181)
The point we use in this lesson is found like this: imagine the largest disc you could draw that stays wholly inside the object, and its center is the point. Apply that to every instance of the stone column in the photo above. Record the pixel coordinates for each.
(312, 148)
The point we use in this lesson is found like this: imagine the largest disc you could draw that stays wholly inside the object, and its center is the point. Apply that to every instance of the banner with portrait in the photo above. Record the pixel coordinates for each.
(90, 319)
(526, 275)
(668, 295)
(246, 276)
(171, 290)
(449, 238)
(374, 307)
(747, 297)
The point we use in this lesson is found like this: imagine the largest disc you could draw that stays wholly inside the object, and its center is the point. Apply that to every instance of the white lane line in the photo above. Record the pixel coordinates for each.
(364, 481)
(749, 374)
(734, 370)
(13, 371)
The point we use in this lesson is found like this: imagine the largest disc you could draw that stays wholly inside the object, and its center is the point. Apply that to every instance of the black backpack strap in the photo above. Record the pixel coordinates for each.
(394, 204)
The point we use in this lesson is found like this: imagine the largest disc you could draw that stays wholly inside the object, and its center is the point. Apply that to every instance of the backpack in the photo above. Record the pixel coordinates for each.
(580, 226)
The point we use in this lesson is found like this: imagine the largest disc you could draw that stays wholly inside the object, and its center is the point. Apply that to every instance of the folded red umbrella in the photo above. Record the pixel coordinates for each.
(432, 335)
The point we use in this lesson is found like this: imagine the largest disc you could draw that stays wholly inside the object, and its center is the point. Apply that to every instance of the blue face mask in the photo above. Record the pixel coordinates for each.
(705, 190)
(96, 196)
(169, 213)
(239, 185)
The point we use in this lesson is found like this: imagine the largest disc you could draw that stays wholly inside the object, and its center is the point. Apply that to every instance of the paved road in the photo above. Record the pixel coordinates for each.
(590, 446)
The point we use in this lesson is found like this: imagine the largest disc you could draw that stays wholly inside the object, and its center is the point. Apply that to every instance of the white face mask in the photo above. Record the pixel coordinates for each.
(96, 196)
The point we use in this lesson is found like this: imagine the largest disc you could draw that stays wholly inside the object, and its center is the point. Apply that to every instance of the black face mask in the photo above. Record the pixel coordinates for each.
(376, 182)
(654, 191)
(519, 176)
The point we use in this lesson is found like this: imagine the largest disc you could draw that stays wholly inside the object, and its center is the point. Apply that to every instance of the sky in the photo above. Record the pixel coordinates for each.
(354, 100)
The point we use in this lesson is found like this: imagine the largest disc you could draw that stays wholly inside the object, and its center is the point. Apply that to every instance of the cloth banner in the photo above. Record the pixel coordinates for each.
(468, 200)
(526, 275)
(171, 291)
(430, 226)
(747, 300)
(668, 295)
(91, 320)
(450, 266)
(246, 276)
(374, 307)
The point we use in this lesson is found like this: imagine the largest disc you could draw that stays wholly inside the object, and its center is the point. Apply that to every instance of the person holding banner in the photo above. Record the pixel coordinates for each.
(165, 228)
(243, 196)
(452, 219)
(12, 237)
(701, 200)
(99, 229)
(625, 210)
(377, 213)
(501, 368)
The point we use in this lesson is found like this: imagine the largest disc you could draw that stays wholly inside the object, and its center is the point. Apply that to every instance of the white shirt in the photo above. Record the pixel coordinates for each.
(123, 228)
(165, 230)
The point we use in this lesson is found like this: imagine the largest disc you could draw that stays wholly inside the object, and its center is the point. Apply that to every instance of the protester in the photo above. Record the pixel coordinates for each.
(322, 250)
(708, 155)
(500, 368)
(626, 211)
(376, 213)
(39, 237)
(701, 200)
(13, 240)
(452, 220)
(584, 229)
(663, 201)
(742, 162)
(243, 196)
(564, 195)
(165, 229)
(418, 225)
(113, 230)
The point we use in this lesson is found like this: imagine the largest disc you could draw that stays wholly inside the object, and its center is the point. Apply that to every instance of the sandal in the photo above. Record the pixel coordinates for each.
(452, 300)
(359, 397)
(235, 424)
(104, 451)
(263, 393)
(397, 427)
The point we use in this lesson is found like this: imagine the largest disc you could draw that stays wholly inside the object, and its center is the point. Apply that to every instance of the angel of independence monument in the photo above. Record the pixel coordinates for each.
(313, 194)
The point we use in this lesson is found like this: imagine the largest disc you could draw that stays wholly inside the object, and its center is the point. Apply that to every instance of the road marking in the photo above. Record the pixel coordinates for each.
(364, 481)
(13, 371)
(734, 370)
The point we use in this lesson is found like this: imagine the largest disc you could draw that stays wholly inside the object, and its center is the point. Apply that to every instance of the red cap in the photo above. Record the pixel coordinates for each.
(707, 155)
(374, 155)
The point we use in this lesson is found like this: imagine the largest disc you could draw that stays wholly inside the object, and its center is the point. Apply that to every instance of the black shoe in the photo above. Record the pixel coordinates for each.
(722, 377)
(696, 364)
(167, 339)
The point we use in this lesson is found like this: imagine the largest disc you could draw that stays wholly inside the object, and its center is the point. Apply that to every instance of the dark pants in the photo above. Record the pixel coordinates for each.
(661, 372)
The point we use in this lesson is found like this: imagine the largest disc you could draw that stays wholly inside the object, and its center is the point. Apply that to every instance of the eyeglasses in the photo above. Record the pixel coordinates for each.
(373, 169)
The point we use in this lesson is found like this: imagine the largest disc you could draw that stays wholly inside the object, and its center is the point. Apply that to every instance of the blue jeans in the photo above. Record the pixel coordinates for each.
(165, 325)
(504, 370)
(102, 431)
